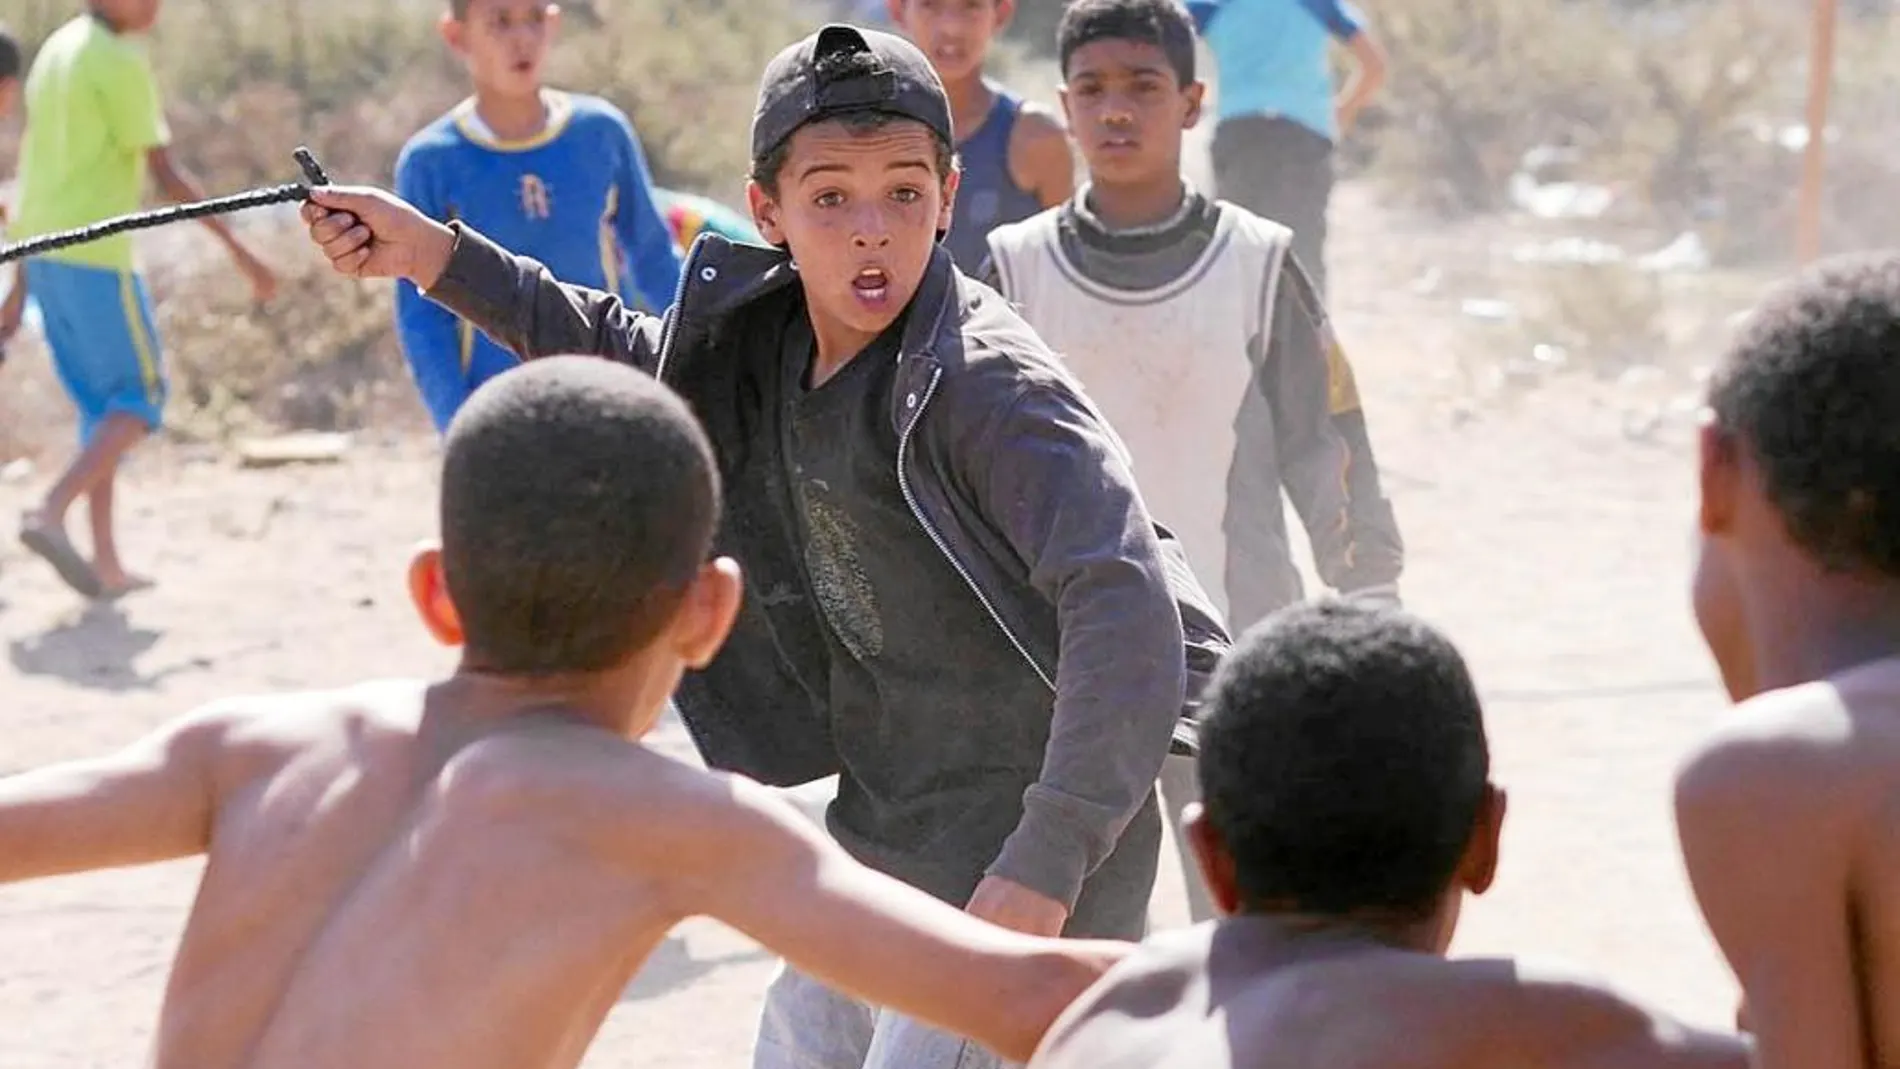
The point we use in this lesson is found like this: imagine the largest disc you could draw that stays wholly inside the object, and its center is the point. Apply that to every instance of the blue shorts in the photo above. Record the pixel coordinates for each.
(98, 324)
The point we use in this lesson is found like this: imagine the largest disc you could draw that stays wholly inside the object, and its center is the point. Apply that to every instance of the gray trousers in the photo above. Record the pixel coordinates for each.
(1279, 169)
(1179, 786)
(806, 1025)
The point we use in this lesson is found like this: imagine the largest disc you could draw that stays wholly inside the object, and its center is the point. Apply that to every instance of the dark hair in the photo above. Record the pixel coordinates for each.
(579, 498)
(1343, 761)
(1165, 24)
(1811, 390)
(837, 66)
(10, 54)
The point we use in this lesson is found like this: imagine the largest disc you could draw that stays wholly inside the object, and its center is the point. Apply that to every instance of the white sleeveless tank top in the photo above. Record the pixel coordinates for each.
(1168, 367)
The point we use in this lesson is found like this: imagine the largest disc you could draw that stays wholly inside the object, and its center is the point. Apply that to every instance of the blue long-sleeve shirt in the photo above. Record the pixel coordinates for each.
(577, 197)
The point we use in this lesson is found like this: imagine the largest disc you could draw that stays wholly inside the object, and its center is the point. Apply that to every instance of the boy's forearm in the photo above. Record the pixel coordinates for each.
(783, 883)
(179, 188)
(1367, 78)
(1377, 557)
(1322, 445)
(1121, 672)
(15, 304)
(520, 304)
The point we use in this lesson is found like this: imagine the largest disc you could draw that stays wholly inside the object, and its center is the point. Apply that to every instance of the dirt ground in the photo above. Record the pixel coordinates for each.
(1554, 548)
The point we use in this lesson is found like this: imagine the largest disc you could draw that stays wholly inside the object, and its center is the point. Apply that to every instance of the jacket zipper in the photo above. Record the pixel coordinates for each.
(669, 317)
(910, 498)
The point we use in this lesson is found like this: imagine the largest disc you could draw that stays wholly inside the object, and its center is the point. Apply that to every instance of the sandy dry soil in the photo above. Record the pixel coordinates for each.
(1553, 548)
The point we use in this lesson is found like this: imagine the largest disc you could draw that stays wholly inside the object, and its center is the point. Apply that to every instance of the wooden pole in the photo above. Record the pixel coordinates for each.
(1814, 159)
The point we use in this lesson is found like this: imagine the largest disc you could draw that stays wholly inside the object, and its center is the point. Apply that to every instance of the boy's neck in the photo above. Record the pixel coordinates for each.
(607, 700)
(1823, 625)
(1398, 933)
(104, 19)
(1134, 206)
(970, 102)
(833, 351)
(512, 117)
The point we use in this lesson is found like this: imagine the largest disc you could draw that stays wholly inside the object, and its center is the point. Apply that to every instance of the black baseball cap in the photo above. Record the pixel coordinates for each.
(800, 86)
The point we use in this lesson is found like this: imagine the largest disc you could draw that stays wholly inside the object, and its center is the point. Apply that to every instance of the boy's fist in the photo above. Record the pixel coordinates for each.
(367, 233)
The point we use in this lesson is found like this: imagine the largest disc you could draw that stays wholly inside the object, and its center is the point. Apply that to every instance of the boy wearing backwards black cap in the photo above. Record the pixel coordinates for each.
(934, 517)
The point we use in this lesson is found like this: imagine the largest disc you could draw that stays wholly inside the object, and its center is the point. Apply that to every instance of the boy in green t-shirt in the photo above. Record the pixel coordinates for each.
(94, 128)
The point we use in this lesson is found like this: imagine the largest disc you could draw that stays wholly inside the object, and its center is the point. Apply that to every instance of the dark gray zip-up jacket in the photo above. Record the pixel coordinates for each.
(992, 434)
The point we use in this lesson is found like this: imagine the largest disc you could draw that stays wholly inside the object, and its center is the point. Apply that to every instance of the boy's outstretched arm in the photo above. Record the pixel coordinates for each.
(367, 233)
(1769, 856)
(753, 862)
(1325, 451)
(152, 801)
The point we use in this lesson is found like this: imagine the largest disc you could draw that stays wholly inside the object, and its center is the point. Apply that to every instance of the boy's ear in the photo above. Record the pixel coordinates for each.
(453, 31)
(948, 208)
(765, 213)
(429, 591)
(896, 9)
(553, 15)
(1196, 93)
(707, 613)
(1480, 864)
(1717, 473)
(1005, 10)
(1215, 861)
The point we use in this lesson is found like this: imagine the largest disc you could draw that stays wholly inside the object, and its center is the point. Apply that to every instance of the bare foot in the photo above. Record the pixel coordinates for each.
(118, 582)
(48, 541)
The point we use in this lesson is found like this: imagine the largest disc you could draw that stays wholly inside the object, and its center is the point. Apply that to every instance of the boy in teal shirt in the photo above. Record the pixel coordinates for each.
(94, 129)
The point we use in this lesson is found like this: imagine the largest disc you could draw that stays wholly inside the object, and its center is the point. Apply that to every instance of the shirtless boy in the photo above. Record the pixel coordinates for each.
(1786, 813)
(466, 874)
(1347, 812)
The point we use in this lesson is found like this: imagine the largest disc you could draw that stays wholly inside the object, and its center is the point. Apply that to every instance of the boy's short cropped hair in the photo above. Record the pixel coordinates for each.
(1811, 390)
(1343, 761)
(1165, 24)
(12, 58)
(579, 499)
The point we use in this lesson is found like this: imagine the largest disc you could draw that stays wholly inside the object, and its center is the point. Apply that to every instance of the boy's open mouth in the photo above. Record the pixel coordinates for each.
(872, 284)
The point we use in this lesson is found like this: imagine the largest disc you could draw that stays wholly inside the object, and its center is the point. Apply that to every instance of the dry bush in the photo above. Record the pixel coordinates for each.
(1476, 83)
(1652, 98)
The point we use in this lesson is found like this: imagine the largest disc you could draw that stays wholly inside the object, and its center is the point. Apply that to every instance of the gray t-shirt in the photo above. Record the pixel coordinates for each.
(911, 647)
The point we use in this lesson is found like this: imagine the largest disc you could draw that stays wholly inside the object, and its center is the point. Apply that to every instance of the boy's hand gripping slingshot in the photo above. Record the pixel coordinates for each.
(257, 198)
